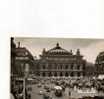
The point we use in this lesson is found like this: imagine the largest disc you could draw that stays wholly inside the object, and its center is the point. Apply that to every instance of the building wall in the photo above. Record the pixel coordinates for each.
(21, 60)
(59, 69)
(60, 65)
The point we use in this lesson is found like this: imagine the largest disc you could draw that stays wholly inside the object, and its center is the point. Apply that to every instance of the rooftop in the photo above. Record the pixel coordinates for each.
(58, 50)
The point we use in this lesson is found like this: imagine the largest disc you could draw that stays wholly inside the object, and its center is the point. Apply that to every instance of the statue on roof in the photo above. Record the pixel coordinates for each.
(57, 44)
(78, 52)
(71, 51)
(44, 50)
(18, 44)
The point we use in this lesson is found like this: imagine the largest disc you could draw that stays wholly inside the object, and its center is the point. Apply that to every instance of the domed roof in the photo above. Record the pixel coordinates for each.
(23, 52)
(58, 50)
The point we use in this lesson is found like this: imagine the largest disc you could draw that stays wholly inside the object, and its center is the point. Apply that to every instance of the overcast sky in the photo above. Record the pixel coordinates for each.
(89, 48)
(54, 17)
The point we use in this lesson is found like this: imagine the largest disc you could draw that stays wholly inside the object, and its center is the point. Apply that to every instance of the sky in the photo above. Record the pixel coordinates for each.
(58, 18)
(89, 48)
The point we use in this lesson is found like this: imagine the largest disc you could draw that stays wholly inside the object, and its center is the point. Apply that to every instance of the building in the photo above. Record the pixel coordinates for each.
(99, 63)
(24, 61)
(58, 62)
(21, 61)
(90, 69)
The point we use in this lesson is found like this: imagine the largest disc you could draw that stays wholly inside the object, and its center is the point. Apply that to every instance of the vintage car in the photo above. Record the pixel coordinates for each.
(58, 91)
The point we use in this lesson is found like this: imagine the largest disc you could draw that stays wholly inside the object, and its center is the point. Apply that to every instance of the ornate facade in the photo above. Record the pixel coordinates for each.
(23, 61)
(58, 62)
(21, 68)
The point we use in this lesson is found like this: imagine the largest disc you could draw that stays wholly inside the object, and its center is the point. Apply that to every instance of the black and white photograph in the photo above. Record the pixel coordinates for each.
(52, 49)
(56, 68)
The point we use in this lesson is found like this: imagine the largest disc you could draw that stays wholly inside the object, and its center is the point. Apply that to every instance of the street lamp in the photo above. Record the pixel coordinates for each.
(25, 77)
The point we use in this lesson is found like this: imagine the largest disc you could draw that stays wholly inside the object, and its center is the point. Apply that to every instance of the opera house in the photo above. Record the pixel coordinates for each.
(58, 62)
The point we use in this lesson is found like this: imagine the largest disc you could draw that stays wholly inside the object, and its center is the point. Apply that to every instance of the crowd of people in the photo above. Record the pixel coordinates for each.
(89, 84)
(97, 84)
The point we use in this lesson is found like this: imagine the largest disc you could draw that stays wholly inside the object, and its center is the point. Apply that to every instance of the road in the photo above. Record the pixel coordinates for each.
(74, 95)
(35, 93)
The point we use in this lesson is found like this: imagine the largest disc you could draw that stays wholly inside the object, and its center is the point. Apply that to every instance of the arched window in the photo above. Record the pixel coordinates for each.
(66, 74)
(66, 67)
(71, 66)
(60, 66)
(55, 74)
(61, 74)
(55, 66)
(38, 74)
(78, 74)
(49, 74)
(78, 67)
(44, 74)
(72, 74)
